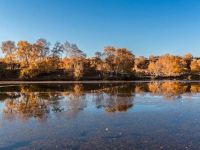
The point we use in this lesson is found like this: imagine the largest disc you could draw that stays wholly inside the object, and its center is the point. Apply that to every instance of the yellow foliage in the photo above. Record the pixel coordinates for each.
(168, 65)
(195, 66)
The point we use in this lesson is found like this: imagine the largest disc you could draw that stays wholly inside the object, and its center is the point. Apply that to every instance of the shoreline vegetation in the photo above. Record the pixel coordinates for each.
(41, 61)
(11, 83)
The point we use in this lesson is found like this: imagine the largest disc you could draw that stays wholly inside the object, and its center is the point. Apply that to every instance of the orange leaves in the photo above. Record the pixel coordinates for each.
(75, 65)
(35, 58)
(152, 67)
(167, 89)
(168, 65)
(188, 56)
(22, 44)
(195, 66)
(9, 49)
(119, 60)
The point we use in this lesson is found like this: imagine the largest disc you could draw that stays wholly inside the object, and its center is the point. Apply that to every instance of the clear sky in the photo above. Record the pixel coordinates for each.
(143, 26)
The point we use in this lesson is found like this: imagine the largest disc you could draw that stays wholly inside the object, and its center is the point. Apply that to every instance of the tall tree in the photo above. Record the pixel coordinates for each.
(119, 60)
(9, 49)
(72, 51)
(76, 59)
(42, 46)
(56, 54)
(124, 61)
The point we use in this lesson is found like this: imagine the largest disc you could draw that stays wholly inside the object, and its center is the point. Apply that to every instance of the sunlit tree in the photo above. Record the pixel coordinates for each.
(75, 60)
(9, 49)
(168, 65)
(195, 66)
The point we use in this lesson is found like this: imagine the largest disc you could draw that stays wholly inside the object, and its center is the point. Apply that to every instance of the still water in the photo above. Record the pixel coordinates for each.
(139, 115)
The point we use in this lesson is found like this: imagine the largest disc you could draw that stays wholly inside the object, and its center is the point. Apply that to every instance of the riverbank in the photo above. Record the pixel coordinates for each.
(91, 82)
(62, 77)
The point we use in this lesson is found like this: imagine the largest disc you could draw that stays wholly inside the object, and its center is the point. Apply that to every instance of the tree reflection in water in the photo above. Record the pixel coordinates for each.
(114, 99)
(76, 101)
(37, 101)
(169, 90)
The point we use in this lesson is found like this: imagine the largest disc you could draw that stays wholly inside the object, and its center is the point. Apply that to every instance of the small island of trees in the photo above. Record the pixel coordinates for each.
(65, 61)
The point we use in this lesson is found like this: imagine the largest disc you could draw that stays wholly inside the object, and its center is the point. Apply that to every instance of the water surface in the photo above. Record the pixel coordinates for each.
(138, 115)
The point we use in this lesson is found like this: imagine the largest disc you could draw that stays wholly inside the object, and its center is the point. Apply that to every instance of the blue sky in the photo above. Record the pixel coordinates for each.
(144, 26)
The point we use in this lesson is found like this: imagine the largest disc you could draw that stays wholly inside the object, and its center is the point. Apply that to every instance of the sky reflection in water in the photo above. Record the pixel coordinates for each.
(151, 115)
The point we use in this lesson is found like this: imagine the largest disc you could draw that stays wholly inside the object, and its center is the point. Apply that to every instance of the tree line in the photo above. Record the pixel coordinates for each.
(65, 61)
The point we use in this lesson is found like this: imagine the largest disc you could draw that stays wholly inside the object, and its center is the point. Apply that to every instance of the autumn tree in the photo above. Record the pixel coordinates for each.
(38, 58)
(44, 63)
(124, 60)
(33, 58)
(188, 58)
(98, 64)
(119, 60)
(75, 59)
(42, 46)
(25, 57)
(109, 58)
(56, 53)
(141, 63)
(24, 53)
(168, 65)
(152, 69)
(152, 58)
(141, 66)
(72, 51)
(9, 49)
(195, 66)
